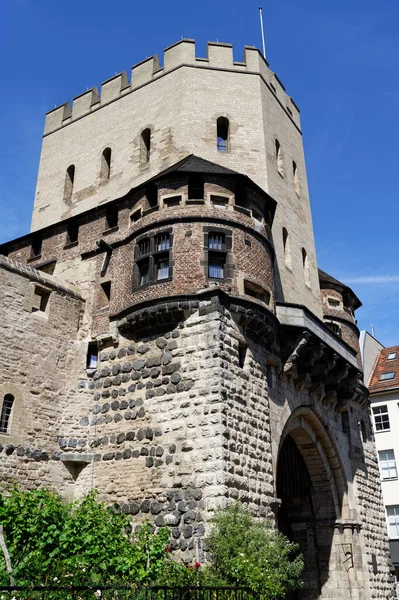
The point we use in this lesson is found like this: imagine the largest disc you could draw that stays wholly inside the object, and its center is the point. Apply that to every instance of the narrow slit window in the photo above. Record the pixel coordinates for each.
(279, 159)
(6, 411)
(136, 216)
(145, 145)
(256, 291)
(287, 249)
(295, 175)
(92, 356)
(305, 264)
(69, 182)
(242, 353)
(222, 134)
(111, 217)
(106, 164)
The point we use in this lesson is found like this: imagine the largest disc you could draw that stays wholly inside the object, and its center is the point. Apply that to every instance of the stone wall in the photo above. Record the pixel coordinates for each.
(37, 349)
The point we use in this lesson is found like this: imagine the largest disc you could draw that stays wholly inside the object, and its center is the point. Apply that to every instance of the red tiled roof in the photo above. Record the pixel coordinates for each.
(383, 365)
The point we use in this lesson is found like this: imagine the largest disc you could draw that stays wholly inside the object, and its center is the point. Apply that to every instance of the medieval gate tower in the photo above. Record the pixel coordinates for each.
(166, 335)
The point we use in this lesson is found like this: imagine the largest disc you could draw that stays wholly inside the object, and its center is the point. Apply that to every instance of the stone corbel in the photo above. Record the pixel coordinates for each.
(290, 368)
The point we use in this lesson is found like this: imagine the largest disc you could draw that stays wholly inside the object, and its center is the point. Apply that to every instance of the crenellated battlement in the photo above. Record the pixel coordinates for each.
(182, 53)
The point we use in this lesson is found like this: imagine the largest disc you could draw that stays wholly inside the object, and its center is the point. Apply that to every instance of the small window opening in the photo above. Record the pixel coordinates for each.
(161, 268)
(386, 376)
(92, 356)
(287, 248)
(36, 246)
(145, 145)
(144, 247)
(363, 430)
(162, 242)
(111, 217)
(257, 215)
(305, 264)
(242, 352)
(172, 201)
(69, 181)
(196, 188)
(270, 376)
(219, 201)
(72, 232)
(216, 267)
(297, 186)
(222, 134)
(136, 216)
(335, 328)
(279, 159)
(6, 410)
(334, 302)
(105, 295)
(40, 300)
(346, 428)
(251, 289)
(106, 164)
(215, 241)
(144, 269)
(391, 355)
(152, 195)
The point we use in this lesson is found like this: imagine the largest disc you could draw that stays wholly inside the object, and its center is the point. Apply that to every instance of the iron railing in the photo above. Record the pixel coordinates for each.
(124, 593)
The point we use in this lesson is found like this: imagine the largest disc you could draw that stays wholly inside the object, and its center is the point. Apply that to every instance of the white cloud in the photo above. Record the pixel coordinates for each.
(372, 279)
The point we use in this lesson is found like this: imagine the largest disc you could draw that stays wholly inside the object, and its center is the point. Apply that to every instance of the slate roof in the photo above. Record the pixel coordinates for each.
(383, 365)
(329, 282)
(195, 164)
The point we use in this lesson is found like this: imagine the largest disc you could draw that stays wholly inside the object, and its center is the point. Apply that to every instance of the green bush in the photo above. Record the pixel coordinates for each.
(85, 542)
(51, 542)
(251, 553)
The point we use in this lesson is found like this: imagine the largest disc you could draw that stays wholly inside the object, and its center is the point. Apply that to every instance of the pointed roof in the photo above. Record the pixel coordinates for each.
(196, 164)
(329, 282)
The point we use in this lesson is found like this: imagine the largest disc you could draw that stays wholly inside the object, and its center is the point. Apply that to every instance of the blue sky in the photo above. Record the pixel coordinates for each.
(338, 60)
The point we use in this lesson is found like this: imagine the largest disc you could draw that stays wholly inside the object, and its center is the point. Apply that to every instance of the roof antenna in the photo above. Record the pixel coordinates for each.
(372, 330)
(263, 32)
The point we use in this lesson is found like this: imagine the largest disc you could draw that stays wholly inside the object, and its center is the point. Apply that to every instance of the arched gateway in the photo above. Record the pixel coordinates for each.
(313, 494)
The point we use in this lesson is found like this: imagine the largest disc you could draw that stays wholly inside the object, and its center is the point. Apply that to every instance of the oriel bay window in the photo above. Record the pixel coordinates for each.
(217, 254)
(153, 260)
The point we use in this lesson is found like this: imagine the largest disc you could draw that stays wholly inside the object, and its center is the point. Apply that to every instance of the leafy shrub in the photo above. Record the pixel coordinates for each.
(251, 553)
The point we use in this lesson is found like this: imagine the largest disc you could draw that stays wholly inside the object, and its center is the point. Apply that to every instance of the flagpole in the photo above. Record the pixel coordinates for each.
(263, 33)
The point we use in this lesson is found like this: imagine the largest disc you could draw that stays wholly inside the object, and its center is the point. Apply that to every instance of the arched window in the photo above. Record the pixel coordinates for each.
(145, 145)
(106, 164)
(305, 263)
(287, 248)
(279, 159)
(69, 181)
(295, 175)
(6, 409)
(222, 134)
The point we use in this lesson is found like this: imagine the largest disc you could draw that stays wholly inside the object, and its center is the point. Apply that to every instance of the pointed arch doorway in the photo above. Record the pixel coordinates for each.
(312, 500)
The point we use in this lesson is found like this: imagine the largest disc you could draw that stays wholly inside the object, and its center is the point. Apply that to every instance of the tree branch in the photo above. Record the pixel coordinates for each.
(6, 555)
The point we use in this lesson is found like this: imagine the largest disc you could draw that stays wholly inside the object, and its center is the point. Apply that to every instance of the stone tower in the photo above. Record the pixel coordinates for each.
(166, 340)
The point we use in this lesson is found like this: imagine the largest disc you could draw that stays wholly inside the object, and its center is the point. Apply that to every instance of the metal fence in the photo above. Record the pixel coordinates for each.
(124, 593)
